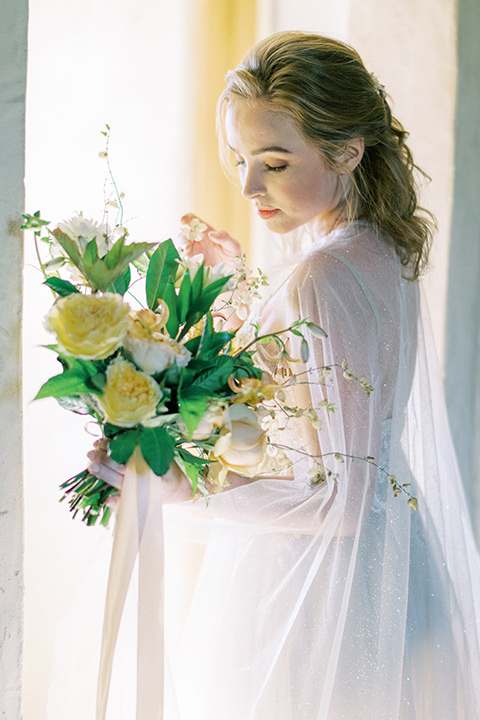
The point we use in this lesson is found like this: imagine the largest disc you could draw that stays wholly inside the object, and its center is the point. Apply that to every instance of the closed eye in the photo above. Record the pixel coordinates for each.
(275, 168)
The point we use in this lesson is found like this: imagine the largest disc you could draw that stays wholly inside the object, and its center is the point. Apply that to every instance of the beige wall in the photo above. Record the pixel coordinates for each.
(13, 42)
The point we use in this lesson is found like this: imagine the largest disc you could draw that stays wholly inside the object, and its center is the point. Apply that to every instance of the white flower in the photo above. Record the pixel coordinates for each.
(242, 444)
(193, 232)
(83, 231)
(210, 274)
(192, 264)
(157, 353)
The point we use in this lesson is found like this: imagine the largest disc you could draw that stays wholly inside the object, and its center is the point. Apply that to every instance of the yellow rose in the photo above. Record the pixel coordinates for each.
(242, 447)
(129, 396)
(90, 327)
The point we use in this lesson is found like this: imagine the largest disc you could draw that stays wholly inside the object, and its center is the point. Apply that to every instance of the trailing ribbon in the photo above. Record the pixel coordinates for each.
(138, 531)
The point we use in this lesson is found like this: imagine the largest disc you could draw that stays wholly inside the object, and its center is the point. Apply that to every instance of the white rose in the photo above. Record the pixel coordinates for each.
(242, 447)
(157, 353)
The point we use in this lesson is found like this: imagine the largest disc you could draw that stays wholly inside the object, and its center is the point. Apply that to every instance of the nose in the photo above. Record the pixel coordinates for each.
(252, 185)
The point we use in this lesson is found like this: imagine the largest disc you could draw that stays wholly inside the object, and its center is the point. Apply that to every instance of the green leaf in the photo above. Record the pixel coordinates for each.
(212, 342)
(90, 256)
(197, 284)
(97, 382)
(184, 297)
(123, 445)
(101, 272)
(171, 298)
(61, 287)
(197, 388)
(33, 222)
(105, 271)
(190, 458)
(88, 368)
(202, 375)
(192, 407)
(70, 382)
(121, 284)
(162, 268)
(204, 303)
(193, 473)
(157, 449)
(70, 247)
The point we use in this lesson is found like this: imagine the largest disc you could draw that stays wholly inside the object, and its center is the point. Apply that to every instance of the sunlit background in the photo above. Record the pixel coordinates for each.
(153, 71)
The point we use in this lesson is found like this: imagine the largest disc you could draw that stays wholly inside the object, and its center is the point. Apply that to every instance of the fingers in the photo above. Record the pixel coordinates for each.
(113, 502)
(103, 467)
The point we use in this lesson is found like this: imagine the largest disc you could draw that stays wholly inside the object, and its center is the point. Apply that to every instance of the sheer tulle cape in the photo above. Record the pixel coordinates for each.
(336, 600)
(332, 601)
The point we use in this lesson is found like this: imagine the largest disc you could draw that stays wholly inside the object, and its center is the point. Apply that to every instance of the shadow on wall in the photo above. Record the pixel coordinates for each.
(462, 360)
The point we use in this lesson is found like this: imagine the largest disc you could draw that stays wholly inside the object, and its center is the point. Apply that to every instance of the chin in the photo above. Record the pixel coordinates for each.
(282, 226)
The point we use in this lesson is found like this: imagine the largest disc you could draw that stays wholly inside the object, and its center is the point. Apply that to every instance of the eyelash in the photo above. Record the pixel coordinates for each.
(275, 168)
(269, 168)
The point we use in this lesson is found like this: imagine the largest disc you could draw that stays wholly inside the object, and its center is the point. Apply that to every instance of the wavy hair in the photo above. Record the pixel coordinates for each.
(324, 86)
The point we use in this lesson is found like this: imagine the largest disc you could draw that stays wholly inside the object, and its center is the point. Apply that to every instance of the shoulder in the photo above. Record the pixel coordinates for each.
(351, 256)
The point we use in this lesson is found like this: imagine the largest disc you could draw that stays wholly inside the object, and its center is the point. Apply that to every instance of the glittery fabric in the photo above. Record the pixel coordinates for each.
(288, 600)
(336, 601)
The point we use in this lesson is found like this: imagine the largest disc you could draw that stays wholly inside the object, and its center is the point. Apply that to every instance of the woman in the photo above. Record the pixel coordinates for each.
(321, 595)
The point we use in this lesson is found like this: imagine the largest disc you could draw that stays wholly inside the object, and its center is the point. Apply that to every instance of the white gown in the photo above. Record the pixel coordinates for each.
(287, 601)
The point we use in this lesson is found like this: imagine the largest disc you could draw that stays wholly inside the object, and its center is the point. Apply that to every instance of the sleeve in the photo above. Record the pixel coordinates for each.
(333, 484)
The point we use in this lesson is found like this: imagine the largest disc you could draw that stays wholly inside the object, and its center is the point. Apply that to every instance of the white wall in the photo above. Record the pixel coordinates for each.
(13, 46)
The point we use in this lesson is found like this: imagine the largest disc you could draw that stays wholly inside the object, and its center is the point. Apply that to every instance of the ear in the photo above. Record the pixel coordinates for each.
(352, 154)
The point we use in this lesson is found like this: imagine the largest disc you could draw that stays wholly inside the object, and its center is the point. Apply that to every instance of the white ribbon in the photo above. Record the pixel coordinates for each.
(138, 531)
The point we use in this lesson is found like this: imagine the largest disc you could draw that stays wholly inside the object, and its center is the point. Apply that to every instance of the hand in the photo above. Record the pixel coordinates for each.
(216, 247)
(175, 486)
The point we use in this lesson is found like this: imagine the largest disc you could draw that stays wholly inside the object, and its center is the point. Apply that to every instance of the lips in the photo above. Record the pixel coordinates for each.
(267, 213)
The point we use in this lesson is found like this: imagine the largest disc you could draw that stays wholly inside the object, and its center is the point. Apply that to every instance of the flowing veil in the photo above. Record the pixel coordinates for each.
(336, 600)
(319, 595)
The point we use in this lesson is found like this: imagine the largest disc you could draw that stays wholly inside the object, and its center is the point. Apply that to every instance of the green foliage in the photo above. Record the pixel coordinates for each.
(122, 283)
(123, 445)
(162, 269)
(33, 222)
(200, 381)
(61, 287)
(211, 342)
(70, 382)
(101, 273)
(201, 303)
(157, 448)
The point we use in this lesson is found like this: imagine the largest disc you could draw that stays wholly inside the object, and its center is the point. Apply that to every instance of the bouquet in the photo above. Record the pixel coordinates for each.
(166, 377)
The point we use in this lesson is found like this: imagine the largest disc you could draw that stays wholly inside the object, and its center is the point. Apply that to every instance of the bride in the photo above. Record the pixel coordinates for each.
(319, 594)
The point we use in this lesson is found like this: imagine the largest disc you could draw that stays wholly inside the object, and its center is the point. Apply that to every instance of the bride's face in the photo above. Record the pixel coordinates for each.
(288, 181)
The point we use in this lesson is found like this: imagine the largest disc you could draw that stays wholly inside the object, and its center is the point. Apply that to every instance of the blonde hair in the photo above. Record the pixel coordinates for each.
(324, 86)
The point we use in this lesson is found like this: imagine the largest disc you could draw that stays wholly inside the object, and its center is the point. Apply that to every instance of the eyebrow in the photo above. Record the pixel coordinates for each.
(271, 148)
